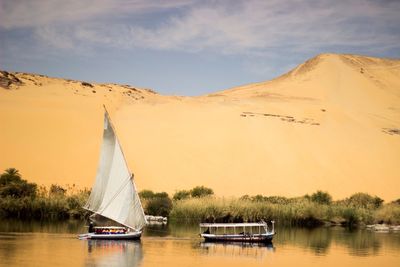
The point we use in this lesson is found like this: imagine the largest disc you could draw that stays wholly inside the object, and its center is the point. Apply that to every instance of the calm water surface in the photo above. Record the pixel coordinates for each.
(55, 244)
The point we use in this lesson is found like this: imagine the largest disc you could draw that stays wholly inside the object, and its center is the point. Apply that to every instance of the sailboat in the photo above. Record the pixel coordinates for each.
(114, 195)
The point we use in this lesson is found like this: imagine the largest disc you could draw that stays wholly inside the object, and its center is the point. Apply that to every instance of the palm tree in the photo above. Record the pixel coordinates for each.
(13, 172)
(10, 174)
(12, 184)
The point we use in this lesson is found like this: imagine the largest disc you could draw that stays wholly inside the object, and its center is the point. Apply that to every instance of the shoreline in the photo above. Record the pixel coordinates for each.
(21, 199)
(300, 212)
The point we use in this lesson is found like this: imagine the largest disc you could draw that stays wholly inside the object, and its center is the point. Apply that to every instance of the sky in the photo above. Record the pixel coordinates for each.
(188, 47)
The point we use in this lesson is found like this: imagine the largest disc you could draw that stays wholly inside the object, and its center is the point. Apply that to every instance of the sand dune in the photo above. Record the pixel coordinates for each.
(332, 123)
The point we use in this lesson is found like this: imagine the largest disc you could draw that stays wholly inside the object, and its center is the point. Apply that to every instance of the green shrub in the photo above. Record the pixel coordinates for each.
(159, 206)
(397, 201)
(156, 204)
(57, 190)
(161, 195)
(351, 216)
(245, 197)
(321, 197)
(182, 194)
(257, 198)
(146, 194)
(201, 191)
(364, 200)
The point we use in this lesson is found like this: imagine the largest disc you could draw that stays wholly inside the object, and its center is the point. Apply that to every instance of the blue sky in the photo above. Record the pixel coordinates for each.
(188, 47)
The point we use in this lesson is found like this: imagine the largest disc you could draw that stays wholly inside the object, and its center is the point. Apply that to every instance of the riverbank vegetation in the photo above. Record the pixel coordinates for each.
(317, 209)
(160, 204)
(22, 199)
(156, 204)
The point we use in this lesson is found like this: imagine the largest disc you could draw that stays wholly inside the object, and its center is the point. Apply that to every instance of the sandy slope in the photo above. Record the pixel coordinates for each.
(328, 124)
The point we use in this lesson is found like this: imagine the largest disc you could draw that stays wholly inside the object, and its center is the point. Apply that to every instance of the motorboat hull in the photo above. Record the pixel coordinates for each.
(124, 236)
(248, 238)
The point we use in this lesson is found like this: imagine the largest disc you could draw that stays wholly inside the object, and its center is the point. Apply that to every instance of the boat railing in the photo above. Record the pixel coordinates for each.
(109, 227)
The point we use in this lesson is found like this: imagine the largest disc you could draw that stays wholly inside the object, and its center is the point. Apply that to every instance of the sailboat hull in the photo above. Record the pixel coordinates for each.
(125, 236)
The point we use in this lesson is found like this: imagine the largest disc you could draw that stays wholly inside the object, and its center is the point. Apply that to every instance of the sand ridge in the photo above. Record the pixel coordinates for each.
(332, 123)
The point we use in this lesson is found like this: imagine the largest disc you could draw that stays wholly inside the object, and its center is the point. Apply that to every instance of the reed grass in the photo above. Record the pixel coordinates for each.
(389, 213)
(300, 211)
(214, 209)
(45, 205)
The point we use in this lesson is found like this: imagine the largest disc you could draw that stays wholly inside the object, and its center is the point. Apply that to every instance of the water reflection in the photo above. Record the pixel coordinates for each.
(33, 226)
(109, 252)
(56, 244)
(360, 242)
(317, 240)
(173, 229)
(8, 246)
(320, 240)
(236, 249)
(161, 230)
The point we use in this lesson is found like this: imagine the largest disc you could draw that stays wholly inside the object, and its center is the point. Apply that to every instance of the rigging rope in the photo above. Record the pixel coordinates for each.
(117, 193)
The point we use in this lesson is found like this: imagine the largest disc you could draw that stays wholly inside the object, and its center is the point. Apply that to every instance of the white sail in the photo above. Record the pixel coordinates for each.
(114, 193)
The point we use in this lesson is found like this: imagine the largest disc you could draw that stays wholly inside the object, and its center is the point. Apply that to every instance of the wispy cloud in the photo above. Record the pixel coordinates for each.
(31, 14)
(244, 27)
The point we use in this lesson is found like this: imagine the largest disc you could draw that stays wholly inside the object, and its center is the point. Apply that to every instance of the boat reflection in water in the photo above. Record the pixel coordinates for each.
(114, 252)
(237, 249)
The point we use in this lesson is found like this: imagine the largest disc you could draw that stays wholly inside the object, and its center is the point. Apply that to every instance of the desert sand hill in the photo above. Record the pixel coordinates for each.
(332, 123)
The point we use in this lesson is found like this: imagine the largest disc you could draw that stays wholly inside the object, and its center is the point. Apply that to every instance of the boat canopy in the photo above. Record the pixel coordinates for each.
(231, 225)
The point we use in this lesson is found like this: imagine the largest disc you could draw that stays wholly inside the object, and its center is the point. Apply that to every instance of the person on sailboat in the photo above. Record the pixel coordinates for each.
(91, 227)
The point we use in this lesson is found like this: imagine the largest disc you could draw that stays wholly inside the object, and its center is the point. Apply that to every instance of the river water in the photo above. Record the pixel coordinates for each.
(56, 244)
